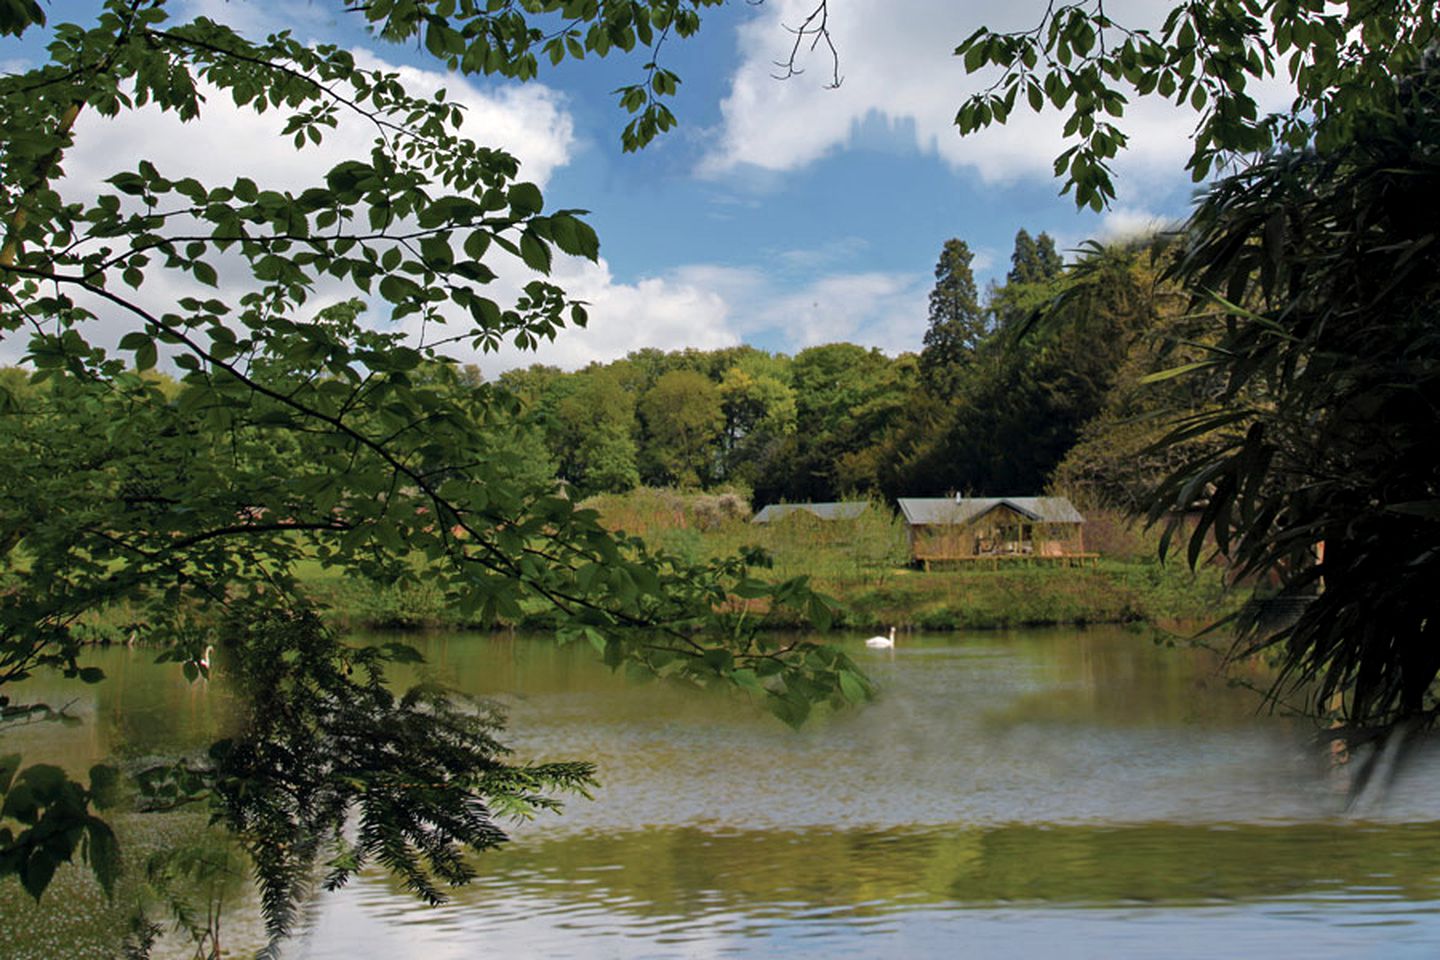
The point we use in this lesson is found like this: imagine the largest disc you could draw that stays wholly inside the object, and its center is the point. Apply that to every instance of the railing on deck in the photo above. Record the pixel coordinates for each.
(928, 559)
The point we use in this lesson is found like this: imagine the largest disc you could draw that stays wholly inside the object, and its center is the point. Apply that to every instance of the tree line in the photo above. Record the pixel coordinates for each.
(990, 404)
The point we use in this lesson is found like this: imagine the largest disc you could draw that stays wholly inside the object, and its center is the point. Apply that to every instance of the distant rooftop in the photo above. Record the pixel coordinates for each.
(844, 510)
(921, 511)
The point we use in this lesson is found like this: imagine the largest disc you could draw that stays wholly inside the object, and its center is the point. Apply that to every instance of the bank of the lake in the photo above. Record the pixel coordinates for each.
(1114, 591)
(863, 565)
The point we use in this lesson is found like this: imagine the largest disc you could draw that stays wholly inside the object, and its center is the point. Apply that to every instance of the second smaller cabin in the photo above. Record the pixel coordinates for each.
(842, 510)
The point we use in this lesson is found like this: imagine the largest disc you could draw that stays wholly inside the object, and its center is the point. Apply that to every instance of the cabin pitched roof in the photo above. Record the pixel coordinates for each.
(843, 510)
(923, 511)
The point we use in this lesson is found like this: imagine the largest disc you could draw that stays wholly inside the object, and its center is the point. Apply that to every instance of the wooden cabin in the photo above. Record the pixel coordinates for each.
(843, 510)
(994, 530)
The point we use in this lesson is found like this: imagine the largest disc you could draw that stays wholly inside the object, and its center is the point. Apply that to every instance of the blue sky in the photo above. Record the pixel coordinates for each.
(779, 213)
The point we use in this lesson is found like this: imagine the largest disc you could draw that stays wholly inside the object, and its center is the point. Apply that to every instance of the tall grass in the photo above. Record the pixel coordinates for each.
(871, 548)
(862, 563)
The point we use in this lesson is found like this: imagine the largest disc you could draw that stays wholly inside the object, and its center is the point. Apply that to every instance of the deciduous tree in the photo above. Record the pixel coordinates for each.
(191, 504)
(683, 424)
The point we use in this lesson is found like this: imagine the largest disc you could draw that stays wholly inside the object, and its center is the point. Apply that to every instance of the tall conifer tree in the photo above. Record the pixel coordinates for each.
(957, 324)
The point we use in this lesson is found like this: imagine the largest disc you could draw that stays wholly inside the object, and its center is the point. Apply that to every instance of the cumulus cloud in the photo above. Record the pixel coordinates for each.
(801, 297)
(885, 310)
(697, 307)
(1123, 223)
(669, 313)
(531, 122)
(899, 74)
(227, 141)
(707, 306)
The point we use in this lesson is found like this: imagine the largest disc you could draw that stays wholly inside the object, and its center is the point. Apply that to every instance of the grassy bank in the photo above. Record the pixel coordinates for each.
(862, 564)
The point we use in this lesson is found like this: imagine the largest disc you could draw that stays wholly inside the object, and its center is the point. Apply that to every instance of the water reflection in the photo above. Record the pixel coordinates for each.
(1226, 890)
(1060, 726)
(1054, 792)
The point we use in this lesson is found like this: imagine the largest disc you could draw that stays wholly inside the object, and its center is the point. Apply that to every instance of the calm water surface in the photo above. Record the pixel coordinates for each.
(1056, 794)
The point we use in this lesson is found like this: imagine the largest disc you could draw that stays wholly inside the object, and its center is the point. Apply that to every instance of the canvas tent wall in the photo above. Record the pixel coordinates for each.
(969, 528)
(843, 510)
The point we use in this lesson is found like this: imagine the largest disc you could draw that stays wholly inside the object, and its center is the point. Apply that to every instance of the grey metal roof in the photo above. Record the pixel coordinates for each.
(920, 511)
(844, 510)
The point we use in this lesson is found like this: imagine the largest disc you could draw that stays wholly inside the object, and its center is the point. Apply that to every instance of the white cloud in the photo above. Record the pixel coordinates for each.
(885, 310)
(900, 75)
(802, 296)
(708, 306)
(253, 18)
(668, 313)
(227, 142)
(528, 120)
(1124, 223)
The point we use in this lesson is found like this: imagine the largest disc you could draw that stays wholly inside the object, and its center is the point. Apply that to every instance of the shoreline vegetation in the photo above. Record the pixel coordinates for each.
(861, 564)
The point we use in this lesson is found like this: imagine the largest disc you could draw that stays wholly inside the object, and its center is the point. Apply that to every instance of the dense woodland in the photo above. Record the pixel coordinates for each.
(1031, 382)
(1005, 385)
(1036, 384)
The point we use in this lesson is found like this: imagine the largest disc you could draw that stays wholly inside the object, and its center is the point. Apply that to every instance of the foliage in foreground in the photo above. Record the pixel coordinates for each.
(1322, 467)
(303, 433)
(331, 766)
(1316, 261)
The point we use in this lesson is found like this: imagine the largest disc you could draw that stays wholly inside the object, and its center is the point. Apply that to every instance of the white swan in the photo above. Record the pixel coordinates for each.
(882, 641)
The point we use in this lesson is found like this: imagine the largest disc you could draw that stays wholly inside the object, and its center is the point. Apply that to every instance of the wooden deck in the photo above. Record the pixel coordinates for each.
(996, 560)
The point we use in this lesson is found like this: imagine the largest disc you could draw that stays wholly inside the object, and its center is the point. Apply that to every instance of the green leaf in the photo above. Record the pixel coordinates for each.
(535, 253)
(525, 199)
(146, 355)
(852, 687)
(16, 16)
(437, 253)
(1161, 376)
(1426, 509)
(103, 852)
(104, 786)
(45, 778)
(574, 236)
(476, 243)
(37, 871)
(819, 612)
(21, 804)
(746, 679)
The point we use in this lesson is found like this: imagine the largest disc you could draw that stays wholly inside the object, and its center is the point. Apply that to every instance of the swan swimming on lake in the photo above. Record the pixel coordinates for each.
(882, 641)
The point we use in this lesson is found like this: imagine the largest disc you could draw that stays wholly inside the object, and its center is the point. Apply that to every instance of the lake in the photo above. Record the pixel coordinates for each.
(1053, 793)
